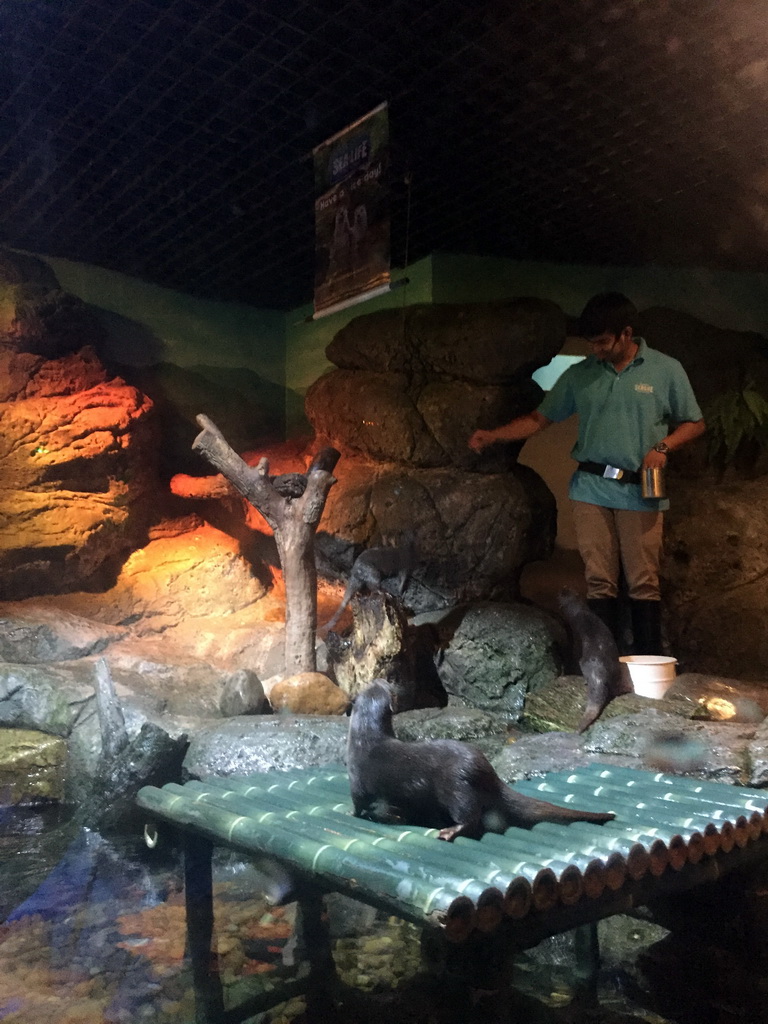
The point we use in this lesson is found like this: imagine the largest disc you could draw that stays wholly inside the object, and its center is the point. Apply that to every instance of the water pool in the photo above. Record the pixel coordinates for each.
(94, 933)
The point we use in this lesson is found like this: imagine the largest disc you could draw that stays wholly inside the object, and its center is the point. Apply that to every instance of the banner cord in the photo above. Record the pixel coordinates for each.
(407, 180)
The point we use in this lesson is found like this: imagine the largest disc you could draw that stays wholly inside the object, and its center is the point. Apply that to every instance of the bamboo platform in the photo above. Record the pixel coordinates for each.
(671, 833)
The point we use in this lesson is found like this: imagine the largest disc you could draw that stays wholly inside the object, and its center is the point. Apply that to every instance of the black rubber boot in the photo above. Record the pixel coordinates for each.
(646, 627)
(607, 609)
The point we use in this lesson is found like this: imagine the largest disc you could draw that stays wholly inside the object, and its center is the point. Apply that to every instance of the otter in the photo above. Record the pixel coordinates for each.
(373, 567)
(442, 784)
(597, 655)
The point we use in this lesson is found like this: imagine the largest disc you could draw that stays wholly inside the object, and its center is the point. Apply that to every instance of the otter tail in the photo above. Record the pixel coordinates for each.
(592, 712)
(348, 595)
(606, 678)
(527, 811)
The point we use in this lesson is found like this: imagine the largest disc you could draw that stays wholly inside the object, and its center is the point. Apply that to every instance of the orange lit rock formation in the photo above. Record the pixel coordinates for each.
(76, 448)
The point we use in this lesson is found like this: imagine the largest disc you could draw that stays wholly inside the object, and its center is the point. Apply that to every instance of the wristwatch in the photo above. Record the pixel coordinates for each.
(662, 447)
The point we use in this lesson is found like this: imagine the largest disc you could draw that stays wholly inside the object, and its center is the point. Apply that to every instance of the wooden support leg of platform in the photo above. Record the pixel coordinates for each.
(198, 892)
(314, 943)
(315, 946)
(587, 952)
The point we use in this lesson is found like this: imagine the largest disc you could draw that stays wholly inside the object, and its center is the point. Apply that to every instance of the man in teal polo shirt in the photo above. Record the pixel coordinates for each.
(635, 406)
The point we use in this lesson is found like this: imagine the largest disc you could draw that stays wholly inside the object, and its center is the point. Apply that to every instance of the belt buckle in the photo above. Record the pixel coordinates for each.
(613, 473)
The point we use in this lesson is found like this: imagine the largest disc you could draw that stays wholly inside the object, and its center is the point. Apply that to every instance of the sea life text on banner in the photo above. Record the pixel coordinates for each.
(352, 213)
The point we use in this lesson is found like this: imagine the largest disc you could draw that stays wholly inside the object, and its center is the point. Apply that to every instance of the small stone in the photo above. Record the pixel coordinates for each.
(309, 693)
(242, 694)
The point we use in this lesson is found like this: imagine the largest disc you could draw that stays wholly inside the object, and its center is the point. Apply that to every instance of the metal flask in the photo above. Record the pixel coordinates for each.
(652, 483)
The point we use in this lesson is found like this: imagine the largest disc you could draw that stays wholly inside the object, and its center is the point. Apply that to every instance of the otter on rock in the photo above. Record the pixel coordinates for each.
(373, 567)
(443, 784)
(597, 655)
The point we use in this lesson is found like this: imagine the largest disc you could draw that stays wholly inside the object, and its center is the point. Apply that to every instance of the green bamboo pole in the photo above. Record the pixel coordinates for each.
(463, 854)
(717, 790)
(646, 805)
(343, 868)
(620, 837)
(716, 806)
(659, 815)
(615, 863)
(654, 827)
(591, 870)
(424, 853)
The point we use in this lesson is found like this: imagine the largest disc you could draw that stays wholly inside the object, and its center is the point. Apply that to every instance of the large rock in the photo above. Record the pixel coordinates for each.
(167, 700)
(32, 767)
(718, 698)
(559, 705)
(78, 445)
(719, 750)
(385, 416)
(308, 693)
(242, 746)
(58, 698)
(36, 316)
(196, 574)
(151, 758)
(535, 755)
(481, 729)
(716, 576)
(32, 634)
(495, 653)
(488, 343)
(77, 458)
(473, 532)
(188, 591)
(48, 698)
(371, 413)
(413, 384)
(242, 694)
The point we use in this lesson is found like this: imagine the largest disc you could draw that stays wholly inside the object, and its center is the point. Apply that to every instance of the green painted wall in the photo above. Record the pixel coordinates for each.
(288, 349)
(190, 356)
(190, 331)
(728, 300)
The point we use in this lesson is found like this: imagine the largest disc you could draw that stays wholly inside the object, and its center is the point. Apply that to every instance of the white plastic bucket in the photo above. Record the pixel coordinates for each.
(651, 674)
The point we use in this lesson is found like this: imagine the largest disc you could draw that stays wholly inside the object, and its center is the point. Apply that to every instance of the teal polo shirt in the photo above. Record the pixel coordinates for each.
(621, 416)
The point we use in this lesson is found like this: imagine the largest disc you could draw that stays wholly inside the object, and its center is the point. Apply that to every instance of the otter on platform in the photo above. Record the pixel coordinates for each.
(443, 784)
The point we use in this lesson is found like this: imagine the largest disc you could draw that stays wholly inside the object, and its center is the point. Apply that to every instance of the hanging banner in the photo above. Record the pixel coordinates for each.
(352, 214)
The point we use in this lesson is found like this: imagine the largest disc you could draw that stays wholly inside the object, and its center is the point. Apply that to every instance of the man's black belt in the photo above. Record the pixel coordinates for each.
(622, 476)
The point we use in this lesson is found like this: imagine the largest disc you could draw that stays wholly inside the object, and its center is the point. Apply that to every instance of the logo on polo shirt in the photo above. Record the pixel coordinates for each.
(647, 389)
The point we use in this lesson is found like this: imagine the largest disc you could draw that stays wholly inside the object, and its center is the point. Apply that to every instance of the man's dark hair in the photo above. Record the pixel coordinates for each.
(609, 312)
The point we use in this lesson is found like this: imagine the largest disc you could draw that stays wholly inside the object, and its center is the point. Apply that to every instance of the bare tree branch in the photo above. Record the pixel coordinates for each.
(293, 521)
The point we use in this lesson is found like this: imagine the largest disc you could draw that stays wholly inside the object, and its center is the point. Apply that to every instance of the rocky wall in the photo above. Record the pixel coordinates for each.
(714, 569)
(77, 445)
(716, 575)
(409, 388)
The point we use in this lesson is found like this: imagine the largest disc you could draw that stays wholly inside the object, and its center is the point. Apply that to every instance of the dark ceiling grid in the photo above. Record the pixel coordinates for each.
(27, 70)
(126, 198)
(210, 218)
(83, 167)
(172, 139)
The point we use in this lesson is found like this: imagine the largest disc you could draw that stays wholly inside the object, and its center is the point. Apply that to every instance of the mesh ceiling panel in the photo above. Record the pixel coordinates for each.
(172, 139)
